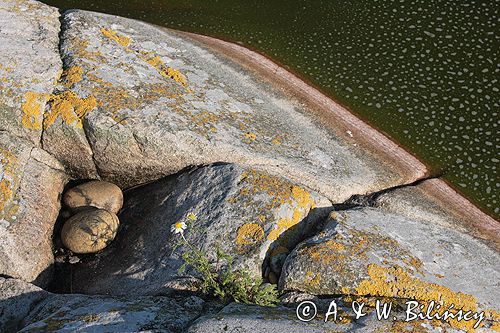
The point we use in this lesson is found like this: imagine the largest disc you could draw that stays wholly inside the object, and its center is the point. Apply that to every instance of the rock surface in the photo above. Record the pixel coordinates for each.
(154, 102)
(246, 211)
(369, 251)
(135, 103)
(31, 182)
(17, 298)
(89, 231)
(244, 318)
(99, 194)
(27, 308)
(29, 65)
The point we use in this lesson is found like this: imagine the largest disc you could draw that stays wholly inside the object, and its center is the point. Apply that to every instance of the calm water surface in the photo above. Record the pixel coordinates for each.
(425, 72)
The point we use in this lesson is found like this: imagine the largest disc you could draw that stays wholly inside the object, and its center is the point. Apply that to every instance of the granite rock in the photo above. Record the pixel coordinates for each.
(30, 65)
(31, 183)
(372, 252)
(152, 102)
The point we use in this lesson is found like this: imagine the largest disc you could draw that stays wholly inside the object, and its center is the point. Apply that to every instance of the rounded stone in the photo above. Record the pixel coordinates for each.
(96, 193)
(89, 231)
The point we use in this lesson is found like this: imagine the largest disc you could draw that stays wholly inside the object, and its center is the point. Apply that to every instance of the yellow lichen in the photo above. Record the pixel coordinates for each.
(111, 34)
(71, 108)
(396, 282)
(302, 197)
(72, 75)
(8, 180)
(313, 279)
(284, 224)
(249, 234)
(277, 140)
(251, 136)
(160, 66)
(32, 110)
(279, 192)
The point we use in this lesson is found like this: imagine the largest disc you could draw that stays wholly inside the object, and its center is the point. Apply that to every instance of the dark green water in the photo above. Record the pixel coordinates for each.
(424, 71)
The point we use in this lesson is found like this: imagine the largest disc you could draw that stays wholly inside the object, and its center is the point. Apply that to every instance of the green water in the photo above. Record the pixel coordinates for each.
(424, 72)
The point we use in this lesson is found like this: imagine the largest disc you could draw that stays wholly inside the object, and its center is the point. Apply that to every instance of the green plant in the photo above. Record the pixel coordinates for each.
(220, 279)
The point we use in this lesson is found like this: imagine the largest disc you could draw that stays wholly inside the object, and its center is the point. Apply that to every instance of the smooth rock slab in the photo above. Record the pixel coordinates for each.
(17, 298)
(27, 308)
(245, 211)
(31, 182)
(99, 194)
(80, 313)
(248, 319)
(163, 102)
(369, 251)
(29, 65)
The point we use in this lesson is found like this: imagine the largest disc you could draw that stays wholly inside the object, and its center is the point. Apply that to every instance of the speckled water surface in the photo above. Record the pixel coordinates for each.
(424, 72)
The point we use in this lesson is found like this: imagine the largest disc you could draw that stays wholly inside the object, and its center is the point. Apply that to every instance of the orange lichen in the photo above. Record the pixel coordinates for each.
(71, 108)
(111, 34)
(280, 192)
(32, 109)
(396, 282)
(277, 140)
(251, 136)
(313, 279)
(249, 234)
(8, 163)
(285, 224)
(72, 75)
(160, 66)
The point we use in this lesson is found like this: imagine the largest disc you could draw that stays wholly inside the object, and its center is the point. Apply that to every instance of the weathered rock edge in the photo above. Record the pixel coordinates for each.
(341, 119)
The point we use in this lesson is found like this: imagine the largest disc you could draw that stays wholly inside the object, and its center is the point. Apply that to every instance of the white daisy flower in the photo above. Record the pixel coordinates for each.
(178, 228)
(191, 216)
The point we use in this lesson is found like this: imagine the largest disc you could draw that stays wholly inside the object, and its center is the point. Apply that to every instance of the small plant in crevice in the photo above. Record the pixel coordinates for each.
(219, 278)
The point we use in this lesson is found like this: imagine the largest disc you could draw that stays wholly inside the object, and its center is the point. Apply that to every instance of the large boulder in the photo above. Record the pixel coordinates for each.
(371, 252)
(246, 212)
(152, 102)
(31, 182)
(29, 65)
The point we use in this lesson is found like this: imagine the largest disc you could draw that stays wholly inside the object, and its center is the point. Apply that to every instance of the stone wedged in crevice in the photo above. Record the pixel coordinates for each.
(243, 210)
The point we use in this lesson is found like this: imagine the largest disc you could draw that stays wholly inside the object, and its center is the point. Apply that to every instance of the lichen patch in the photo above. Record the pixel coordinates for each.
(32, 108)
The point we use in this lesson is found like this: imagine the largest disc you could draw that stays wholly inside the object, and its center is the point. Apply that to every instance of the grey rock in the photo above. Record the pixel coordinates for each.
(99, 194)
(29, 65)
(81, 313)
(421, 202)
(246, 212)
(32, 182)
(164, 102)
(27, 308)
(246, 318)
(369, 251)
(17, 298)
